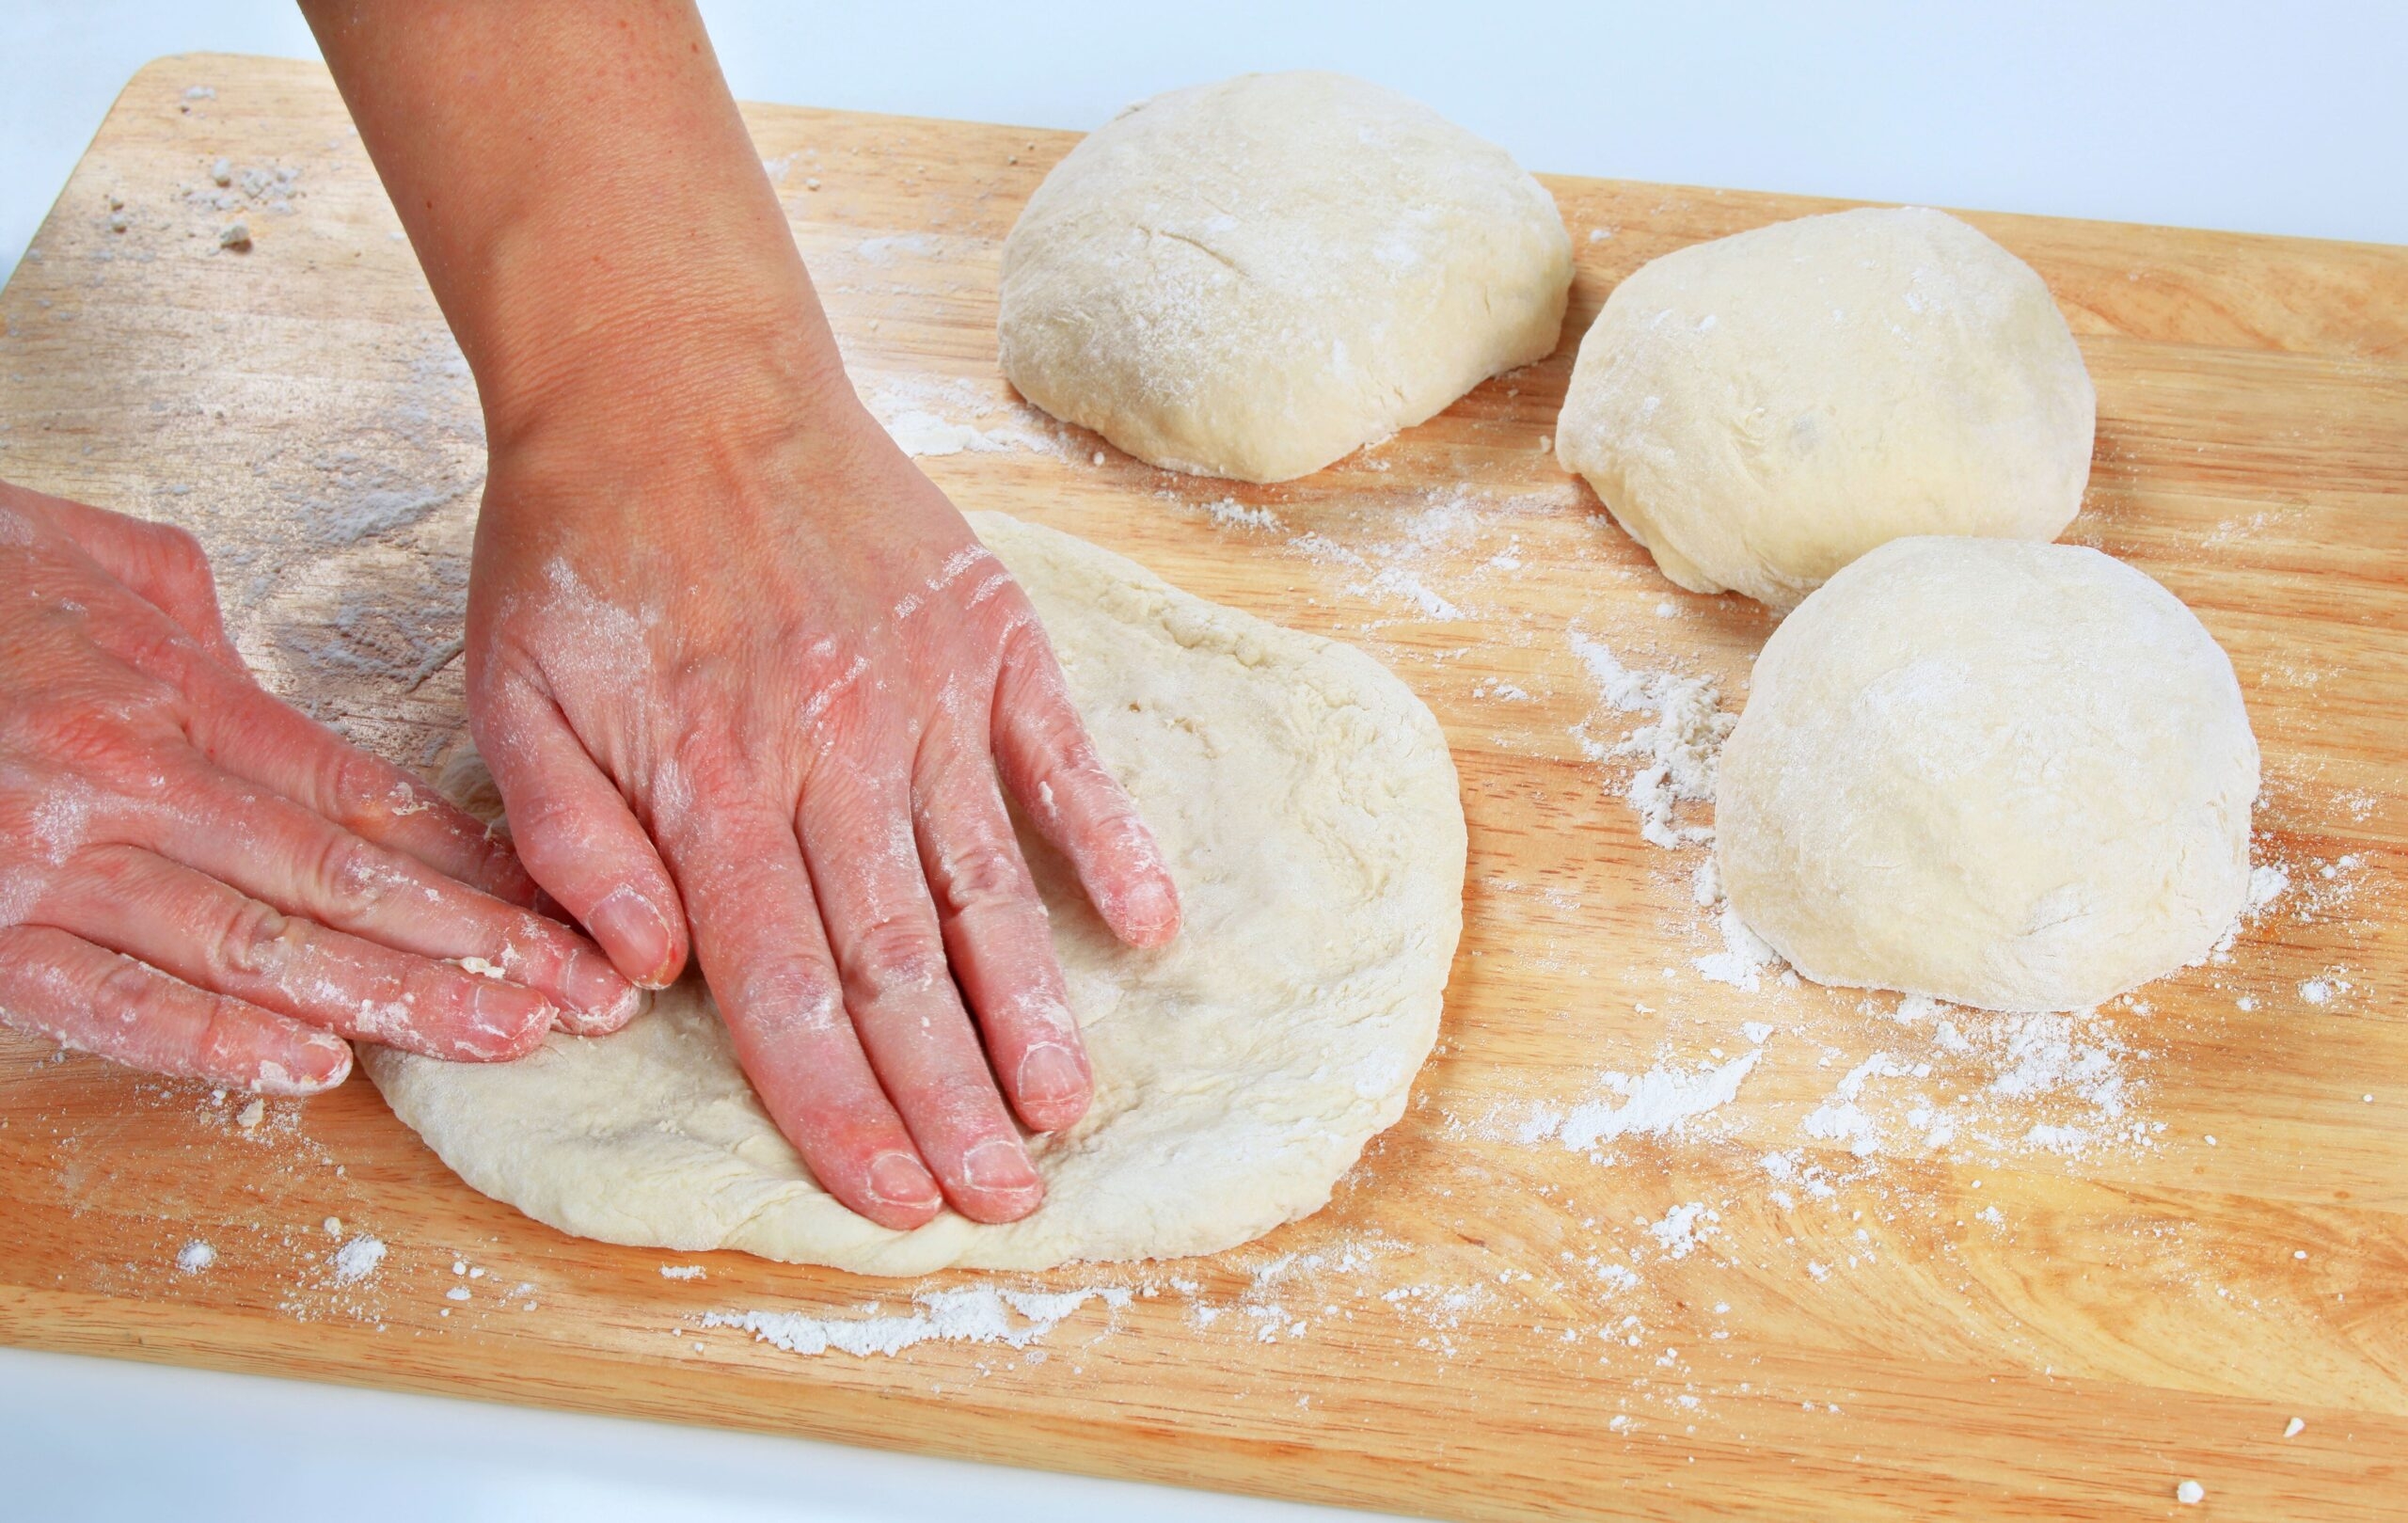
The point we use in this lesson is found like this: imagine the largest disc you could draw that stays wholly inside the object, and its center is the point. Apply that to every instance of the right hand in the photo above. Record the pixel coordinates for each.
(197, 880)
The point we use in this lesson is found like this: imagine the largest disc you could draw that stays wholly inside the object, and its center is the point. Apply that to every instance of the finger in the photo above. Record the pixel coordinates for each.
(756, 933)
(195, 928)
(1051, 767)
(249, 733)
(161, 564)
(271, 849)
(997, 937)
(95, 1001)
(856, 841)
(577, 836)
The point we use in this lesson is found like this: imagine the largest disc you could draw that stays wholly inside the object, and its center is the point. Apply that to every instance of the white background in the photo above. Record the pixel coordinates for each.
(2288, 118)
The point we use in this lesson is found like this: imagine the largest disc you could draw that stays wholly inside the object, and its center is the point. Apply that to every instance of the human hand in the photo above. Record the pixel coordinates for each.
(733, 620)
(740, 671)
(197, 879)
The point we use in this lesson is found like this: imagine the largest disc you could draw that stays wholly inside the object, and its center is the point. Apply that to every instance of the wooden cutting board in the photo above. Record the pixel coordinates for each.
(1803, 1301)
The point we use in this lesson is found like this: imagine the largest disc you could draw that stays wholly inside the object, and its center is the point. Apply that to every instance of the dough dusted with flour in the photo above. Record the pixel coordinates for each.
(1255, 277)
(2009, 775)
(1760, 410)
(1307, 806)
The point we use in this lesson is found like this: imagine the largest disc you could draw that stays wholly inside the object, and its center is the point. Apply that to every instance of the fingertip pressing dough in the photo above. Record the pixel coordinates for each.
(1308, 807)
(1760, 410)
(2008, 775)
(1255, 277)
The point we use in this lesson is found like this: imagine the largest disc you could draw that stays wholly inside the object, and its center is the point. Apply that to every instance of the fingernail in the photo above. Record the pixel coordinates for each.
(1150, 909)
(627, 923)
(999, 1165)
(325, 1062)
(507, 1017)
(596, 989)
(580, 1024)
(1049, 1074)
(896, 1179)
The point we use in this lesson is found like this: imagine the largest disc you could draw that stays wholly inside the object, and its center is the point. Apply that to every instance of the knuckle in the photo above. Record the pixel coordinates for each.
(1057, 734)
(255, 941)
(134, 996)
(894, 956)
(1010, 619)
(987, 875)
(226, 1042)
(954, 1100)
(360, 790)
(788, 999)
(707, 763)
(158, 649)
(545, 817)
(1021, 644)
(356, 879)
(180, 551)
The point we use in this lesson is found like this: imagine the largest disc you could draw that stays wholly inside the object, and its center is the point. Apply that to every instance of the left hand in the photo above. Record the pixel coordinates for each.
(197, 879)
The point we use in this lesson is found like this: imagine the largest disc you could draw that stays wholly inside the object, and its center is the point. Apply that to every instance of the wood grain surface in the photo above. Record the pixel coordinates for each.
(1486, 1322)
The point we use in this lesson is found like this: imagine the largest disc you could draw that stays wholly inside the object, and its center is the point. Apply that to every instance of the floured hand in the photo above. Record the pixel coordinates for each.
(766, 683)
(741, 673)
(197, 879)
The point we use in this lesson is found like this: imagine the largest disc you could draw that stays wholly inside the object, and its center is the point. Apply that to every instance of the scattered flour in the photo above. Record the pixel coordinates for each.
(2267, 884)
(359, 1259)
(2324, 989)
(929, 415)
(1436, 539)
(681, 1271)
(1677, 746)
(194, 1256)
(1661, 1101)
(1744, 957)
(1404, 584)
(1683, 1228)
(981, 1314)
(920, 434)
(1840, 1119)
(1230, 513)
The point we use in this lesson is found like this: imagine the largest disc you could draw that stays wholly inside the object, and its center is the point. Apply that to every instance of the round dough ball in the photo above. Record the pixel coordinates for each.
(1255, 277)
(2009, 775)
(1308, 809)
(1760, 410)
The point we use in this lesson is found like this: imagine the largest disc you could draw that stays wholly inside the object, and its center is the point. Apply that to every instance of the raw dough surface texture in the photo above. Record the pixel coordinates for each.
(1760, 410)
(1308, 808)
(1255, 277)
(2009, 775)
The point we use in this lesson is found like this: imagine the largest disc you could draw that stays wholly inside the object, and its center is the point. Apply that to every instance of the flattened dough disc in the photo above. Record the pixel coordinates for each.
(1308, 808)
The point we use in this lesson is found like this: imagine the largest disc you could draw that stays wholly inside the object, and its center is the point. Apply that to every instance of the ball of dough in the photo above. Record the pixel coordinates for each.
(1255, 277)
(2009, 775)
(1760, 410)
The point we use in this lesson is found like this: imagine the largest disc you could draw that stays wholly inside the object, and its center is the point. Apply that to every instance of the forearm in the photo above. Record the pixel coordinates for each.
(587, 205)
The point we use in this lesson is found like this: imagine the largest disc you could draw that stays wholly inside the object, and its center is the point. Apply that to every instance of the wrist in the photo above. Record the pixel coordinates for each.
(650, 348)
(707, 428)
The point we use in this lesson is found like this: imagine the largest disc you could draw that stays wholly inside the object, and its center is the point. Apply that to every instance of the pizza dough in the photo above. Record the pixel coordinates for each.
(1255, 277)
(1760, 410)
(1308, 809)
(2009, 775)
